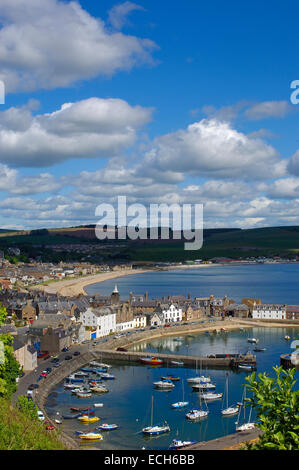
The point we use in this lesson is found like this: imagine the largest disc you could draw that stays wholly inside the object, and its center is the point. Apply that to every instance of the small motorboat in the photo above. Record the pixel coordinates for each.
(259, 349)
(57, 421)
(87, 419)
(246, 366)
(106, 376)
(197, 414)
(88, 413)
(176, 444)
(252, 340)
(173, 378)
(79, 409)
(98, 405)
(211, 396)
(151, 360)
(156, 430)
(91, 436)
(287, 337)
(72, 416)
(107, 427)
(99, 389)
(180, 404)
(99, 364)
(177, 363)
(83, 395)
(164, 384)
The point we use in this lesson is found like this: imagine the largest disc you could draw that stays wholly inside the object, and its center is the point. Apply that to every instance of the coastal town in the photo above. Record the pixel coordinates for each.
(45, 318)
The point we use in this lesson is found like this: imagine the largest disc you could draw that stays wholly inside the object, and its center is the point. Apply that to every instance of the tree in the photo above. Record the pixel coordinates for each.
(9, 366)
(277, 410)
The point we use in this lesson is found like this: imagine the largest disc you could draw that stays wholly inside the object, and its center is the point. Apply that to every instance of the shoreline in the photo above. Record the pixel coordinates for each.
(76, 286)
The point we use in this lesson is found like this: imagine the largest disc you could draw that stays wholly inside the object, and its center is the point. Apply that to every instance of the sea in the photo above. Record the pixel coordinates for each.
(132, 398)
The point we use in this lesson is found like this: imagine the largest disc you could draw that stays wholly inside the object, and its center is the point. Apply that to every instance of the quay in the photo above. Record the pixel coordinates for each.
(225, 361)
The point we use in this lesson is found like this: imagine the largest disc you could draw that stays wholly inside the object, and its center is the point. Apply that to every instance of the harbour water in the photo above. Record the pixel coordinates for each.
(128, 402)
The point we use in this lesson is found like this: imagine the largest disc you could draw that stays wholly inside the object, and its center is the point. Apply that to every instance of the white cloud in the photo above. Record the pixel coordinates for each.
(118, 14)
(50, 43)
(293, 164)
(214, 148)
(87, 129)
(268, 109)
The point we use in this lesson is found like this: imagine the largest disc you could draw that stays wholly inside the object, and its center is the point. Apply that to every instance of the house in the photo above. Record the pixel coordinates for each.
(154, 318)
(101, 320)
(25, 354)
(237, 311)
(269, 312)
(292, 312)
(171, 312)
(139, 320)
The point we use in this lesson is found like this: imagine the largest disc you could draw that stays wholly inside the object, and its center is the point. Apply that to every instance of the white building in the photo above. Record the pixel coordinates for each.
(103, 320)
(269, 312)
(172, 313)
(139, 320)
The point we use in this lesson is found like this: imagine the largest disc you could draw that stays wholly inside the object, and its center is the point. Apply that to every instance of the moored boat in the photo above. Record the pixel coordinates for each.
(203, 386)
(164, 384)
(180, 404)
(197, 414)
(91, 436)
(177, 444)
(151, 360)
(211, 396)
(88, 419)
(107, 427)
(173, 378)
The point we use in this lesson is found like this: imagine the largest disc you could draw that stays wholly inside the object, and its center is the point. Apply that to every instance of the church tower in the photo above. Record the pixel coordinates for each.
(115, 297)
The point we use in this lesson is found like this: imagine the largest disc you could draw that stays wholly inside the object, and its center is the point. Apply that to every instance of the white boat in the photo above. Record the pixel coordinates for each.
(98, 405)
(164, 384)
(246, 426)
(207, 386)
(199, 380)
(107, 427)
(177, 363)
(245, 366)
(180, 404)
(196, 414)
(155, 430)
(91, 436)
(100, 364)
(57, 421)
(229, 410)
(287, 337)
(211, 396)
(177, 444)
(253, 340)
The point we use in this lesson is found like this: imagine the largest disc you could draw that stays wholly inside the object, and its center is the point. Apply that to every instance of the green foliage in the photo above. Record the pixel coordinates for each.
(9, 367)
(277, 409)
(18, 431)
(27, 407)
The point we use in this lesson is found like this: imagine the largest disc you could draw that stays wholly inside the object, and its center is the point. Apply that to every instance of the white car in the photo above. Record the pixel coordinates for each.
(40, 415)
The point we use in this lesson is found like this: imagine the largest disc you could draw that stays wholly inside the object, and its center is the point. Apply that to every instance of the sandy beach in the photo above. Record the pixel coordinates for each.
(75, 287)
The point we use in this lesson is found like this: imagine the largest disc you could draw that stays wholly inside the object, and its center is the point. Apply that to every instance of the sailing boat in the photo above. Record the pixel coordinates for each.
(229, 410)
(196, 413)
(245, 426)
(198, 379)
(155, 430)
(180, 404)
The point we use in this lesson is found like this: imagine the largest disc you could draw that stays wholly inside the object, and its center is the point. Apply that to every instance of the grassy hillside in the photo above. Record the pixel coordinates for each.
(233, 243)
(18, 432)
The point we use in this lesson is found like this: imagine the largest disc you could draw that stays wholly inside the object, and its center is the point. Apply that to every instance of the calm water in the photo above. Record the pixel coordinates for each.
(128, 402)
(277, 283)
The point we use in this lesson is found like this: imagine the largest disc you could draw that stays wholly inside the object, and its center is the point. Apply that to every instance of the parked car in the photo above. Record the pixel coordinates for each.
(122, 349)
(65, 349)
(153, 328)
(67, 358)
(31, 387)
(57, 364)
(40, 415)
(77, 353)
(167, 325)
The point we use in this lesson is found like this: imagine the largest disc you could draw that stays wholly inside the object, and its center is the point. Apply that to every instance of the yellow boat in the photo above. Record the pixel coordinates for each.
(88, 419)
(91, 436)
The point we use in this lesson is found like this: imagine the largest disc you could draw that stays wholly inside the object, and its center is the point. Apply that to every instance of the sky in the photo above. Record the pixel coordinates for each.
(162, 102)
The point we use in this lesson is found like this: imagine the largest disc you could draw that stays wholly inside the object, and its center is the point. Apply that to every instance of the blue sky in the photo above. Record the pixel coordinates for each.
(174, 102)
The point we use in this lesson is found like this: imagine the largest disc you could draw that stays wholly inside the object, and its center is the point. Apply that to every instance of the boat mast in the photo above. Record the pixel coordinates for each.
(152, 410)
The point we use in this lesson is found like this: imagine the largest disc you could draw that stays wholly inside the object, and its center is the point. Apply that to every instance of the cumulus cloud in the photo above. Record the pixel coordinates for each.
(214, 148)
(86, 129)
(51, 43)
